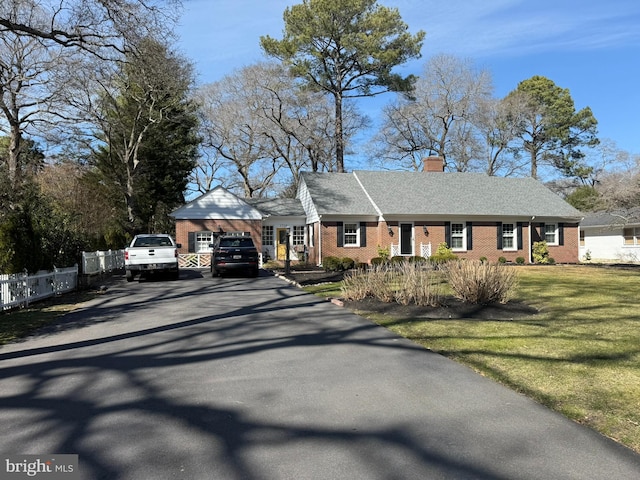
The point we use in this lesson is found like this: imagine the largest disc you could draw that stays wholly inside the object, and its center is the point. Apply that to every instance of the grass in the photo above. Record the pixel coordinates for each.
(579, 356)
(20, 323)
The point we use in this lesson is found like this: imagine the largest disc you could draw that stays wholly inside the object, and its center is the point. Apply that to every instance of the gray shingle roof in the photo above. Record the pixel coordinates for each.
(277, 206)
(434, 193)
(338, 193)
(611, 219)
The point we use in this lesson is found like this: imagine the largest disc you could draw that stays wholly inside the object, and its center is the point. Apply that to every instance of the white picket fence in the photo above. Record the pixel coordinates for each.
(102, 261)
(19, 290)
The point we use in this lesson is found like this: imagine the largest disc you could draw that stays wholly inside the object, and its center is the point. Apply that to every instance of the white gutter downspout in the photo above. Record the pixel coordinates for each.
(319, 240)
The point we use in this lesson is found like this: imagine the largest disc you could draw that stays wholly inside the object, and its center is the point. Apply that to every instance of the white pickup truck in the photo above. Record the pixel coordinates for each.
(151, 253)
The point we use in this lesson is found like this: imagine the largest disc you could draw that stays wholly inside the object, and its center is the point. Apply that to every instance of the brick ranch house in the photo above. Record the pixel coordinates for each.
(407, 213)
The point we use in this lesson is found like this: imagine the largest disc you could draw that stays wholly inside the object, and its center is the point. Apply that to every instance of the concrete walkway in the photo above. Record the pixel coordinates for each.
(238, 378)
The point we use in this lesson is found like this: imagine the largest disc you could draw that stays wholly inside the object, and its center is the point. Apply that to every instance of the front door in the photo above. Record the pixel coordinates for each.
(406, 239)
(281, 253)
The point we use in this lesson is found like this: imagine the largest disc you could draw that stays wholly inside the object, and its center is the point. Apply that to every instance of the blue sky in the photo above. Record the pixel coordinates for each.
(591, 47)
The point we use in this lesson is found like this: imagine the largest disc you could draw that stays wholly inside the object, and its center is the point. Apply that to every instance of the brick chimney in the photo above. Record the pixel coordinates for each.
(433, 164)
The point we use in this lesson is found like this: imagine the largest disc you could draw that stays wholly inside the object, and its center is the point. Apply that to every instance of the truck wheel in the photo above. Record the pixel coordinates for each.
(129, 275)
(176, 275)
(214, 273)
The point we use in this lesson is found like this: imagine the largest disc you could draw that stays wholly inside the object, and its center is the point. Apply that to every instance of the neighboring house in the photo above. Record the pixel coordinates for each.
(359, 214)
(610, 237)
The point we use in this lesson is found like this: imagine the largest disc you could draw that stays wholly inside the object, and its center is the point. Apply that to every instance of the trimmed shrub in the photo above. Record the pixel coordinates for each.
(502, 260)
(378, 261)
(332, 264)
(483, 259)
(481, 283)
(347, 263)
(520, 260)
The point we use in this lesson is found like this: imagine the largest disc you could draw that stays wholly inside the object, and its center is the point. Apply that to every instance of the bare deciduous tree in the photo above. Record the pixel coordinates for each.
(437, 118)
(101, 27)
(268, 127)
(499, 123)
(30, 96)
(235, 131)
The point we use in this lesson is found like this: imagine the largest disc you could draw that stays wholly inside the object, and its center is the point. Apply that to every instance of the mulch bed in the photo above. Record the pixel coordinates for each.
(451, 307)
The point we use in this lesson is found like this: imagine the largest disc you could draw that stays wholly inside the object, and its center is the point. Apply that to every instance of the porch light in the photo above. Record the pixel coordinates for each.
(390, 230)
(425, 231)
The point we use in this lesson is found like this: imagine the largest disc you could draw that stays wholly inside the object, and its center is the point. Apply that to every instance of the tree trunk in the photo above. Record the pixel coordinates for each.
(129, 197)
(339, 135)
(534, 164)
(14, 155)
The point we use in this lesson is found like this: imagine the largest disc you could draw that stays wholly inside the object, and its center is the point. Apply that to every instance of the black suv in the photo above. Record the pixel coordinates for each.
(234, 253)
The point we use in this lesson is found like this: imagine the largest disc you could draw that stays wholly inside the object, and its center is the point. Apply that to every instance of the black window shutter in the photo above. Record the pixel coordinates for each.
(519, 235)
(499, 235)
(340, 233)
(363, 234)
(543, 235)
(192, 242)
(447, 233)
(561, 234)
(469, 236)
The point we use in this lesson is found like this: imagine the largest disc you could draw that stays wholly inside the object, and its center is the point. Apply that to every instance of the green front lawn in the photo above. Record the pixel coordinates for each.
(580, 355)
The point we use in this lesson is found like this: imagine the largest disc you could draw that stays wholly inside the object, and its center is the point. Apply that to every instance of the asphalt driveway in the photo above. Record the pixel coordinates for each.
(238, 378)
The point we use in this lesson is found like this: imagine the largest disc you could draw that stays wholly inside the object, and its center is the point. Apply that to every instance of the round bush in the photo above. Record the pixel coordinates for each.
(378, 261)
(332, 264)
(347, 263)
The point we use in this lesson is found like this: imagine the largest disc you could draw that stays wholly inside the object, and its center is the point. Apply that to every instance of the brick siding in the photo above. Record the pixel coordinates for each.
(484, 237)
(184, 227)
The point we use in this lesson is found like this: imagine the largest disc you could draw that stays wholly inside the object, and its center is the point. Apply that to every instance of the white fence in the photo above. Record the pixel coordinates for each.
(101, 262)
(425, 250)
(194, 260)
(20, 289)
